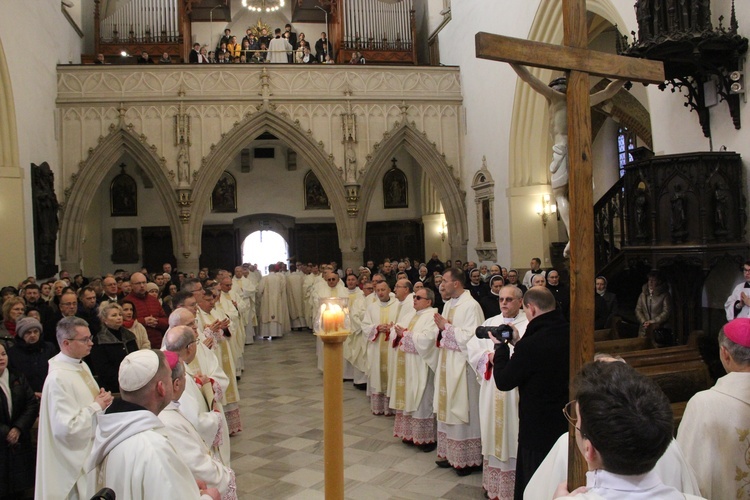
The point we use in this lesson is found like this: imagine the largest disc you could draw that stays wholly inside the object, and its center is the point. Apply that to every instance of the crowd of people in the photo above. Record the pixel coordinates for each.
(471, 363)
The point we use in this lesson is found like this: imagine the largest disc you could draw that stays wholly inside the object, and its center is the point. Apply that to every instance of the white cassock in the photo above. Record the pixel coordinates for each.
(278, 48)
(355, 345)
(414, 379)
(378, 313)
(456, 400)
(194, 452)
(308, 285)
(498, 414)
(133, 456)
(225, 308)
(295, 295)
(321, 290)
(206, 363)
(66, 429)
(246, 291)
(404, 313)
(742, 312)
(274, 312)
(714, 435)
(672, 468)
(223, 353)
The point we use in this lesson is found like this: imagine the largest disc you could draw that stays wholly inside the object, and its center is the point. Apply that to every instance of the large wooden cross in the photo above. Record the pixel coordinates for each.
(579, 62)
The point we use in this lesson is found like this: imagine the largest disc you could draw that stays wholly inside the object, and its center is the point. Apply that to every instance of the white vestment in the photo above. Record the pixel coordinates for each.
(308, 285)
(278, 49)
(498, 413)
(404, 312)
(246, 291)
(133, 456)
(714, 435)
(226, 305)
(736, 296)
(194, 452)
(671, 468)
(274, 312)
(456, 398)
(355, 345)
(295, 295)
(603, 485)
(378, 313)
(66, 429)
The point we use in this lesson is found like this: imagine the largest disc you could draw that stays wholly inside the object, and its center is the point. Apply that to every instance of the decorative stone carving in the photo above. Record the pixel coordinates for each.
(484, 200)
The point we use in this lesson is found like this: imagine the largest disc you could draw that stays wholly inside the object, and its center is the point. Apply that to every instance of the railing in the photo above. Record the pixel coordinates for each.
(610, 224)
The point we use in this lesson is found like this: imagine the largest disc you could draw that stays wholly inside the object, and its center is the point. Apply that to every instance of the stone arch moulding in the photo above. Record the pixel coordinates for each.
(437, 169)
(265, 120)
(86, 183)
(529, 148)
(278, 223)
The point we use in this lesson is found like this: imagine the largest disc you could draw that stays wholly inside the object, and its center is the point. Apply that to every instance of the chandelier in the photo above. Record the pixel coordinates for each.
(263, 5)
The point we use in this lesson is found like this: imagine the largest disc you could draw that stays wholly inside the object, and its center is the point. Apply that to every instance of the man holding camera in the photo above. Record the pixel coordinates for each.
(498, 411)
(539, 368)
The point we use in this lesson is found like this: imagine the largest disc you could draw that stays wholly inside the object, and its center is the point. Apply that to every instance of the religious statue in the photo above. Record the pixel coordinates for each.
(350, 166)
(679, 217)
(183, 165)
(555, 94)
(641, 206)
(45, 207)
(721, 210)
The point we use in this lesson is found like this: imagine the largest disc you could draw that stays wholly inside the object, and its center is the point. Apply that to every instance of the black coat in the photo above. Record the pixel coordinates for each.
(32, 360)
(107, 353)
(490, 305)
(17, 463)
(539, 368)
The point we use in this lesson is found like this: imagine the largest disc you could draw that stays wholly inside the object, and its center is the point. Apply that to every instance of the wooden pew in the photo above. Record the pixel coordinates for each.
(618, 346)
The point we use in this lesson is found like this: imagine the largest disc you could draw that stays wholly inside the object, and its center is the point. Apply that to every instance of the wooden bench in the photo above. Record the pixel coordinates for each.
(618, 346)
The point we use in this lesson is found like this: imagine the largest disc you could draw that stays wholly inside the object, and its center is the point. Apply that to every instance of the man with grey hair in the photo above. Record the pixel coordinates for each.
(70, 400)
(714, 433)
(198, 403)
(131, 453)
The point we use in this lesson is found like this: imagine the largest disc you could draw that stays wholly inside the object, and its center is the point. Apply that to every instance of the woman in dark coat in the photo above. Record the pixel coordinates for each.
(111, 345)
(30, 355)
(18, 411)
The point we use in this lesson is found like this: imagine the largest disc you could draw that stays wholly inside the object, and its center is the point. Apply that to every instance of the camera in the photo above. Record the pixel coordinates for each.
(502, 332)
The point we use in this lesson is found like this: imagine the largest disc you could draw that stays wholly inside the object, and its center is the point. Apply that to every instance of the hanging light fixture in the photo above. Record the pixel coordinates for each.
(263, 5)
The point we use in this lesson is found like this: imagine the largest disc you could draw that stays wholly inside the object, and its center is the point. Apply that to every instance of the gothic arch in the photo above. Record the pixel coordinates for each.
(529, 148)
(230, 146)
(437, 169)
(86, 183)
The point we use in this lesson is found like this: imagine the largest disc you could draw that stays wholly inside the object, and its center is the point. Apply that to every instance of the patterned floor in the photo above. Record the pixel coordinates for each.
(279, 454)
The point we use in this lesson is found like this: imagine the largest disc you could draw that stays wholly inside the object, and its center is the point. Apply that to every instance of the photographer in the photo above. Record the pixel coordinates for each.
(498, 411)
(539, 368)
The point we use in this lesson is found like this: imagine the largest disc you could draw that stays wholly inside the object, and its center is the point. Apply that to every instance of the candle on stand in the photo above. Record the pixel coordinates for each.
(332, 319)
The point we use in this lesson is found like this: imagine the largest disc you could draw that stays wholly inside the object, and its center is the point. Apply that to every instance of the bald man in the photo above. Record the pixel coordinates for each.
(149, 312)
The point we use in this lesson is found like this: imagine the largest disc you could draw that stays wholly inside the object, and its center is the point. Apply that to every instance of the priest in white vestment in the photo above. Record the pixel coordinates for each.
(416, 360)
(227, 303)
(311, 279)
(71, 399)
(274, 311)
(623, 425)
(715, 430)
(295, 296)
(183, 436)
(456, 400)
(376, 325)
(210, 325)
(355, 345)
(498, 410)
(404, 313)
(245, 289)
(132, 454)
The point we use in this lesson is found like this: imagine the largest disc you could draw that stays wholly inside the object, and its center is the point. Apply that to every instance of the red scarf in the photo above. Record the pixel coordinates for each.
(11, 327)
(128, 324)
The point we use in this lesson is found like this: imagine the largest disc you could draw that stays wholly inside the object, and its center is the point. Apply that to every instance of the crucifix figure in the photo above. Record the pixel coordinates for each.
(579, 62)
(555, 93)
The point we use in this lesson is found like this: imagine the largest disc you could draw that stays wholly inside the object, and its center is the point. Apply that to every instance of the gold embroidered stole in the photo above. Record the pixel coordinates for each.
(499, 421)
(88, 379)
(383, 351)
(443, 394)
(401, 372)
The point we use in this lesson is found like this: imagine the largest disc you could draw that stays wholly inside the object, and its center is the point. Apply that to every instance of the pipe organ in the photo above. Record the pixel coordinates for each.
(143, 21)
(381, 31)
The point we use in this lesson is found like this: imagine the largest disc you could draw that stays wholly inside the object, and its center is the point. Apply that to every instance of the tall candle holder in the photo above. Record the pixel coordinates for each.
(333, 327)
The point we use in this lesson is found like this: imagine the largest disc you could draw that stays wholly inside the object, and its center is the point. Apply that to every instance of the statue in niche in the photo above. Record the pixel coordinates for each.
(679, 218)
(350, 168)
(395, 193)
(45, 207)
(721, 210)
(183, 165)
(641, 206)
(123, 195)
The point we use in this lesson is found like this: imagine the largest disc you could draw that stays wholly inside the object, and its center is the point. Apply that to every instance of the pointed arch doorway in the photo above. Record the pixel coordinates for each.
(264, 247)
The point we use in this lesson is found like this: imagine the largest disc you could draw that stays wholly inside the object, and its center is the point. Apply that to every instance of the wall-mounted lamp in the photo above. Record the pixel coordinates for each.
(546, 208)
(443, 230)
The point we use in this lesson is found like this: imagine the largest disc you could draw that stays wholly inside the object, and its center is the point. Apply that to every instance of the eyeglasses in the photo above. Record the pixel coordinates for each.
(569, 410)
(417, 297)
(506, 299)
(85, 340)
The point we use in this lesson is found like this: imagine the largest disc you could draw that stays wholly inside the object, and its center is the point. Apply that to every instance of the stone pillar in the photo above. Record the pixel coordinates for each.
(352, 259)
(187, 264)
(15, 265)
